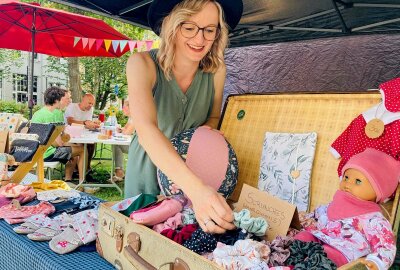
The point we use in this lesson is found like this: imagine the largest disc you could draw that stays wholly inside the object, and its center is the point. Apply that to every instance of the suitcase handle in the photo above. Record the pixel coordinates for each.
(131, 251)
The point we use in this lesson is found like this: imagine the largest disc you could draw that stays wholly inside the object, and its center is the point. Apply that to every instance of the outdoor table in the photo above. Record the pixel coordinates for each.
(90, 137)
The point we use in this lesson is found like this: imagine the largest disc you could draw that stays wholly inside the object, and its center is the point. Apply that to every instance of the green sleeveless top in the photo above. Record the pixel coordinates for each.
(176, 112)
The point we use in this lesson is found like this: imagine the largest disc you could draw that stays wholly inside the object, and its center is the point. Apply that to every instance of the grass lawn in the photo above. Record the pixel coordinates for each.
(101, 172)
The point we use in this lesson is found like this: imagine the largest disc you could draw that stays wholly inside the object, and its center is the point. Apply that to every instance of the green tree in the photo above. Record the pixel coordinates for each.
(97, 75)
(101, 75)
(8, 59)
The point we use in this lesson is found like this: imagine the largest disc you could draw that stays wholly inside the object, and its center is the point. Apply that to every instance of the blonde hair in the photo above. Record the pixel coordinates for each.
(170, 27)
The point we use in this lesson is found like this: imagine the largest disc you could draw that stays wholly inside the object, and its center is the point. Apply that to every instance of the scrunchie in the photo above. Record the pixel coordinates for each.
(279, 250)
(257, 226)
(308, 256)
(230, 237)
(188, 216)
(181, 236)
(201, 242)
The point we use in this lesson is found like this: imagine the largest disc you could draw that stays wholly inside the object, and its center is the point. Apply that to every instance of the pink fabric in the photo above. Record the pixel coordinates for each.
(13, 190)
(171, 223)
(382, 171)
(391, 94)
(12, 215)
(157, 213)
(333, 254)
(345, 205)
(208, 163)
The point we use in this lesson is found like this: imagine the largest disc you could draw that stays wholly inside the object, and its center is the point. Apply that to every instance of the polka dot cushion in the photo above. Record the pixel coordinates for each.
(209, 156)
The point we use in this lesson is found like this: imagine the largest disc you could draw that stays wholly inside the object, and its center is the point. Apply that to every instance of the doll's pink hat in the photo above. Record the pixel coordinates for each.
(390, 92)
(382, 171)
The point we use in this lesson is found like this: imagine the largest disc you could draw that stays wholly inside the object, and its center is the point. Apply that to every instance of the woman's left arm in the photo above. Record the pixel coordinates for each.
(219, 82)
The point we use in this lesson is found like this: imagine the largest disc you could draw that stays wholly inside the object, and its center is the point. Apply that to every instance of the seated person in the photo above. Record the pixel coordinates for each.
(55, 100)
(82, 113)
(120, 150)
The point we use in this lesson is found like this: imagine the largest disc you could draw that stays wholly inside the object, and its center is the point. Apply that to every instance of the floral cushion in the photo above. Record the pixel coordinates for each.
(209, 156)
(286, 164)
(9, 121)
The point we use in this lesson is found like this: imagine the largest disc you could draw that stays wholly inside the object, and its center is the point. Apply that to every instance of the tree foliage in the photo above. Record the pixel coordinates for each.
(8, 59)
(98, 75)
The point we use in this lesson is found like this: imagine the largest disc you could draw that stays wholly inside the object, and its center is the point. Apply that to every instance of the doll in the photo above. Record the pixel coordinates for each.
(352, 225)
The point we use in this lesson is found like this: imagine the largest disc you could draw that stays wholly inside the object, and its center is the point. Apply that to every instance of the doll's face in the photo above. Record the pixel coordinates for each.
(358, 185)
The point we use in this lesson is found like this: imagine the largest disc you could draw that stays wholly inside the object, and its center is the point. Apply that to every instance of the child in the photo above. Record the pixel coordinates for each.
(352, 225)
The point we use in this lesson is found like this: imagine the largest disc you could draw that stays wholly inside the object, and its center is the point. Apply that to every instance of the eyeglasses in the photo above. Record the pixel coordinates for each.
(190, 30)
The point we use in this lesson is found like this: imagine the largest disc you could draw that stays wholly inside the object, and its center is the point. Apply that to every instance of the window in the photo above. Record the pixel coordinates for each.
(20, 87)
(1, 79)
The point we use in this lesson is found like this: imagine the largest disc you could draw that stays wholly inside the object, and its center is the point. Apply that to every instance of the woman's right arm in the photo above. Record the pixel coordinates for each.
(141, 76)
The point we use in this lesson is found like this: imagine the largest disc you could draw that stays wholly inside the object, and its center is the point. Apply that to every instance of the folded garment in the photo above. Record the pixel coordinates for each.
(50, 195)
(14, 214)
(55, 184)
(158, 212)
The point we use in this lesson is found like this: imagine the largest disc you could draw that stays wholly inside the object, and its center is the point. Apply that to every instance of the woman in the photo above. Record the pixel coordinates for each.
(120, 150)
(177, 88)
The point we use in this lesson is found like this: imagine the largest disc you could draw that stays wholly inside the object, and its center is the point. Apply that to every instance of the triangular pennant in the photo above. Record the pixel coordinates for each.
(156, 44)
(122, 45)
(149, 44)
(91, 42)
(99, 42)
(132, 44)
(115, 44)
(84, 42)
(107, 42)
(140, 45)
(76, 40)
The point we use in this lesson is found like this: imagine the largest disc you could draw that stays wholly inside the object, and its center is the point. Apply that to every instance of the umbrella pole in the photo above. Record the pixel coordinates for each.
(33, 31)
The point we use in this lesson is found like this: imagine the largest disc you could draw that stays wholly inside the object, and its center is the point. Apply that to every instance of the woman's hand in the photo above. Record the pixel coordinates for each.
(370, 264)
(211, 210)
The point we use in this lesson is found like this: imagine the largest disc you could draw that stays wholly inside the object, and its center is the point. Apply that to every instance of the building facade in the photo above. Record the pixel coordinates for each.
(14, 81)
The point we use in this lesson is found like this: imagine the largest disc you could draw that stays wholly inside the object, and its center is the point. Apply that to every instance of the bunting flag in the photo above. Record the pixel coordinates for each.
(115, 44)
(107, 42)
(132, 45)
(76, 40)
(139, 45)
(156, 44)
(99, 42)
(84, 42)
(149, 44)
(91, 42)
(122, 45)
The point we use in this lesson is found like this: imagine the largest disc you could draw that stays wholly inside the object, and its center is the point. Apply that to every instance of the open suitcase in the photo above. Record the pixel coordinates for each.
(244, 122)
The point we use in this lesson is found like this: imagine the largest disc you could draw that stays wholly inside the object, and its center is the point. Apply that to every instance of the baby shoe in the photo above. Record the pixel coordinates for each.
(26, 228)
(65, 242)
(157, 213)
(43, 234)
